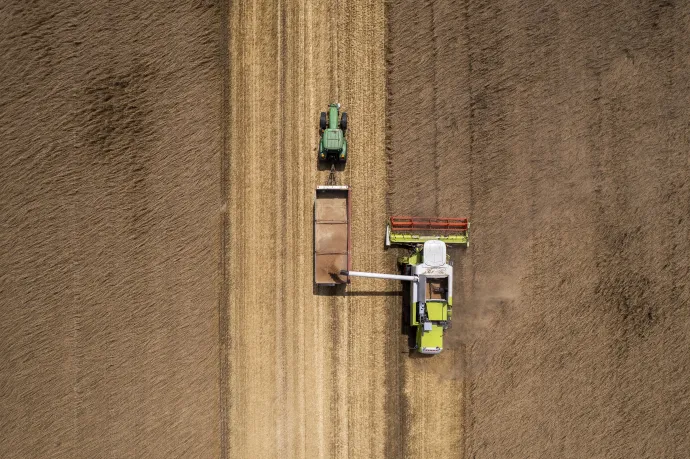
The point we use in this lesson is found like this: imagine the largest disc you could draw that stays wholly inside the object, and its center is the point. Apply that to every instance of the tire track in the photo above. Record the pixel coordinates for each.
(321, 369)
(223, 301)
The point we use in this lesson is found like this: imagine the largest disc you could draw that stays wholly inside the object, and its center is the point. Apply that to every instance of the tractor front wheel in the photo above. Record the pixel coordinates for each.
(343, 121)
(322, 121)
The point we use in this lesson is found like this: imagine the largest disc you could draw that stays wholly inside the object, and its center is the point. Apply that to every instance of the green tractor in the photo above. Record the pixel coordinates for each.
(333, 146)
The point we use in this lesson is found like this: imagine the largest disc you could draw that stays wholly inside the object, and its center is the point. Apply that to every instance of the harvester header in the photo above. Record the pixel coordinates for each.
(417, 230)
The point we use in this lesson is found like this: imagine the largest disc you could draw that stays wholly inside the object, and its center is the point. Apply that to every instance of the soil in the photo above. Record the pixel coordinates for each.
(157, 184)
(560, 129)
(110, 202)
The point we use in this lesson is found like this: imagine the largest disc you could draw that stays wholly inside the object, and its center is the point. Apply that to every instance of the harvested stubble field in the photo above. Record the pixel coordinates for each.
(157, 178)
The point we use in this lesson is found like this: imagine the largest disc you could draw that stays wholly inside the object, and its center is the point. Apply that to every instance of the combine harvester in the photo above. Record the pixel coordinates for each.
(430, 271)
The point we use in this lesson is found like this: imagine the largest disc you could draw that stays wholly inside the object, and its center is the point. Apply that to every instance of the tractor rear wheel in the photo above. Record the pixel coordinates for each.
(322, 121)
(343, 121)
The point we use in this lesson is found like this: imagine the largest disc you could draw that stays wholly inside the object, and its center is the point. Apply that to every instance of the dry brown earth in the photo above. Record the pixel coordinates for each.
(110, 204)
(561, 129)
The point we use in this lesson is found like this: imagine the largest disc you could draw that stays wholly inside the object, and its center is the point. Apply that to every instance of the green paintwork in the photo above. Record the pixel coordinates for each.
(397, 238)
(413, 259)
(332, 139)
(438, 311)
(430, 339)
(333, 116)
(333, 146)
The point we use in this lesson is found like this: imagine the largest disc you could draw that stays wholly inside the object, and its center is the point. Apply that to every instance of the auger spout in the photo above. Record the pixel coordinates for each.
(380, 276)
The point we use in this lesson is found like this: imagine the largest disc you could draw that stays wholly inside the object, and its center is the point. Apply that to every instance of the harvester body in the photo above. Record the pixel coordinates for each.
(333, 146)
(429, 270)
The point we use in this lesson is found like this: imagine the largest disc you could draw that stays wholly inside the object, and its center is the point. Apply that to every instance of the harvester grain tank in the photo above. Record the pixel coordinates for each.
(429, 269)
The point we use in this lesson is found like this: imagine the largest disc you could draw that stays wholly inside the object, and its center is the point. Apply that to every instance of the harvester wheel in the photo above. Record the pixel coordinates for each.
(343, 121)
(322, 121)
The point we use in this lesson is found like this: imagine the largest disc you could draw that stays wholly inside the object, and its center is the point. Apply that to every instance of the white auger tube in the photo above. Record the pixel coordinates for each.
(380, 276)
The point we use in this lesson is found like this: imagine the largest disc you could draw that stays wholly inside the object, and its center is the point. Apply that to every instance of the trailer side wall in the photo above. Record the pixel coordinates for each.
(331, 235)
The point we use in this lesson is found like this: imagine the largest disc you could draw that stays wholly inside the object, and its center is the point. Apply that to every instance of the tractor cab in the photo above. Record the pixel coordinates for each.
(333, 146)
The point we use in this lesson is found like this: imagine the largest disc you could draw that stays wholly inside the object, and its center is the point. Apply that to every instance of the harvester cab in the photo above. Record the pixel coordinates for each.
(429, 269)
(333, 146)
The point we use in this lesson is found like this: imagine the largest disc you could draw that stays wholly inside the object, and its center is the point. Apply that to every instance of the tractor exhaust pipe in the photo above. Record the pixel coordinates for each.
(380, 276)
